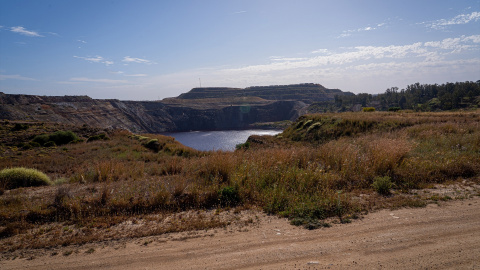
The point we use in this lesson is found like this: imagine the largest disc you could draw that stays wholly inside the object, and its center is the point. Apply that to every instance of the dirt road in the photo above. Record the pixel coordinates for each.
(435, 237)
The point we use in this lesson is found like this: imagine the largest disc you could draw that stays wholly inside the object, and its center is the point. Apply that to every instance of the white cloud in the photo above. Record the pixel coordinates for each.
(455, 44)
(240, 12)
(128, 75)
(96, 59)
(459, 19)
(108, 81)
(129, 59)
(348, 33)
(21, 30)
(281, 58)
(322, 51)
(81, 41)
(15, 77)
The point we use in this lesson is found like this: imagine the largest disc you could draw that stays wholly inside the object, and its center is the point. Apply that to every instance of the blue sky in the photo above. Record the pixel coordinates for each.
(148, 50)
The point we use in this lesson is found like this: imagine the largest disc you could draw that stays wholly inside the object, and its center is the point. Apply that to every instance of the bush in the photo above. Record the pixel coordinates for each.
(368, 109)
(59, 137)
(41, 139)
(98, 137)
(153, 144)
(23, 177)
(382, 185)
(229, 196)
(34, 144)
(394, 109)
(50, 144)
(63, 137)
(19, 127)
(243, 146)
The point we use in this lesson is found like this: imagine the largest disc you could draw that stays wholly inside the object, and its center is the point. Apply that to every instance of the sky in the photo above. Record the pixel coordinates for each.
(153, 49)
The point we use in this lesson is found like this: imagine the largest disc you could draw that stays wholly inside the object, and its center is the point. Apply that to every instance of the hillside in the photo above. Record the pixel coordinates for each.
(307, 92)
(324, 169)
(199, 109)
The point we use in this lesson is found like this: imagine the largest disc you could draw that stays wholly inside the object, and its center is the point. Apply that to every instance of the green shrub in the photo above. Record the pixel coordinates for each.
(394, 109)
(63, 137)
(24, 146)
(368, 109)
(23, 177)
(229, 196)
(50, 144)
(243, 146)
(59, 137)
(19, 127)
(153, 144)
(41, 139)
(382, 185)
(34, 144)
(98, 137)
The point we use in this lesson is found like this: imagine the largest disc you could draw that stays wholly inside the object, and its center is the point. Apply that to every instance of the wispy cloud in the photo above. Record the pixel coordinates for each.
(22, 31)
(320, 51)
(117, 72)
(281, 58)
(137, 75)
(81, 41)
(459, 19)
(128, 75)
(348, 33)
(96, 59)
(129, 59)
(108, 81)
(240, 12)
(15, 77)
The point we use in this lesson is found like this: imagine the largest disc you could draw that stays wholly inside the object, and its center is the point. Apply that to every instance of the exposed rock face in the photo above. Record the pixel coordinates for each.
(199, 109)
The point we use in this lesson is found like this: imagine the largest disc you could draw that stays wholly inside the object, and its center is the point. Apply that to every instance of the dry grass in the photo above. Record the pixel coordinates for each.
(108, 182)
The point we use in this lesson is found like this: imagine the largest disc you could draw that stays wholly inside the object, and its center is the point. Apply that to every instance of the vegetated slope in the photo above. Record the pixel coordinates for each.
(320, 128)
(113, 182)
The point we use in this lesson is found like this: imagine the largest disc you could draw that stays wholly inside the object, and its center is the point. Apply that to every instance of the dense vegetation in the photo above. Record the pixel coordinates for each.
(323, 165)
(418, 97)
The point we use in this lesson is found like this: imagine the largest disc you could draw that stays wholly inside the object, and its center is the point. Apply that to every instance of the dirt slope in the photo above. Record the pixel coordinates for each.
(445, 236)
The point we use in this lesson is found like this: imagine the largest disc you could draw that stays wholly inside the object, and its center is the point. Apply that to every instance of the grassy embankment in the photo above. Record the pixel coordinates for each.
(329, 165)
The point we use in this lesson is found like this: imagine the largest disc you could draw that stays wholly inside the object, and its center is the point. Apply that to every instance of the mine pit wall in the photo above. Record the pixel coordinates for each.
(232, 117)
(141, 116)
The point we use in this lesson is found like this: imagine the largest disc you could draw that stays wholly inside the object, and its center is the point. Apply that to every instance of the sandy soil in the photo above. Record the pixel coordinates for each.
(440, 236)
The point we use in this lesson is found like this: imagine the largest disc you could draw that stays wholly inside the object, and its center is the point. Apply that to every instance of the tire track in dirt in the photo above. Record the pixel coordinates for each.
(434, 237)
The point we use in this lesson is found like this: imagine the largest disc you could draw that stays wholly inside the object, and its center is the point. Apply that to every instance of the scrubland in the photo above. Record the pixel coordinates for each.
(323, 166)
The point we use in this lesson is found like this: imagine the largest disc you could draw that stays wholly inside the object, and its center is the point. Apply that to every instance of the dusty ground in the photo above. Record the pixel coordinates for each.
(440, 236)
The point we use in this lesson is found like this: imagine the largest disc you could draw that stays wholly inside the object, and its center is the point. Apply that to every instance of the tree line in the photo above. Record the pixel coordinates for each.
(418, 97)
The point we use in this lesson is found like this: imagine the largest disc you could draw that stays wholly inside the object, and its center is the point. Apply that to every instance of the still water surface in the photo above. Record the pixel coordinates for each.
(217, 140)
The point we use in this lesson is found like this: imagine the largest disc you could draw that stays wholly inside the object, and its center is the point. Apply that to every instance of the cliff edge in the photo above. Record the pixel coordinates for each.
(199, 109)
